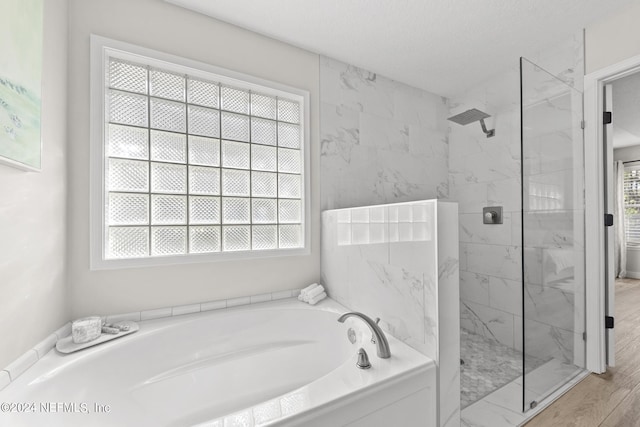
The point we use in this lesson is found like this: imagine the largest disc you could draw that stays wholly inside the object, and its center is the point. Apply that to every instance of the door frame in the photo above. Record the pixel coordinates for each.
(594, 208)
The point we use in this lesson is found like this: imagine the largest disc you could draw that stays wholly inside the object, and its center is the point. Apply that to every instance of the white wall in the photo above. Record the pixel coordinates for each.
(33, 213)
(613, 39)
(165, 27)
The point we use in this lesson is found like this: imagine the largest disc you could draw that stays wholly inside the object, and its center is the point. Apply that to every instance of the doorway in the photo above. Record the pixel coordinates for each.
(612, 162)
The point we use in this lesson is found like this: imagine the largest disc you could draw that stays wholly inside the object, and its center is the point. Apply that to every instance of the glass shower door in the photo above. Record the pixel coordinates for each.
(552, 233)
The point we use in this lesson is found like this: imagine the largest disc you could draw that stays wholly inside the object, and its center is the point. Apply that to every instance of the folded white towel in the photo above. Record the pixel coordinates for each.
(304, 294)
(317, 298)
(314, 292)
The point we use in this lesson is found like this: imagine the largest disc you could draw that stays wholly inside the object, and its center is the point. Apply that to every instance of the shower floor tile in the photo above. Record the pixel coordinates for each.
(488, 365)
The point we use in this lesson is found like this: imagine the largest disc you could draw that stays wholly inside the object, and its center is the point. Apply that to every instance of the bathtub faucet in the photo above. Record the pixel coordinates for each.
(381, 340)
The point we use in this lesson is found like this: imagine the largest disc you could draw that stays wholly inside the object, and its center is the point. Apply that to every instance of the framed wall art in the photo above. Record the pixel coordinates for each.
(21, 24)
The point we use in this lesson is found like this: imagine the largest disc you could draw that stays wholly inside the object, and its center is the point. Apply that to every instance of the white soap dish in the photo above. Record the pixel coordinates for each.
(66, 345)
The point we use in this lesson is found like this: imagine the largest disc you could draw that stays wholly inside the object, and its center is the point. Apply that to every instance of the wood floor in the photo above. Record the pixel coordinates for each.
(611, 399)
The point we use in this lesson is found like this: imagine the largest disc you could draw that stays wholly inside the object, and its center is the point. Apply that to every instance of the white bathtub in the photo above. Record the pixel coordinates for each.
(275, 363)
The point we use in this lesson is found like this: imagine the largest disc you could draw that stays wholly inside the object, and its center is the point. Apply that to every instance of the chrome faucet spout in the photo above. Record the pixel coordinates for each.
(382, 344)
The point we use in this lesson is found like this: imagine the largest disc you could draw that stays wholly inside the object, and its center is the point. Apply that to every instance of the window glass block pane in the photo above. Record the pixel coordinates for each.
(168, 210)
(288, 135)
(204, 210)
(168, 115)
(168, 146)
(166, 178)
(290, 211)
(204, 151)
(128, 242)
(127, 76)
(128, 109)
(264, 184)
(127, 141)
(168, 240)
(204, 121)
(288, 111)
(263, 158)
(289, 186)
(235, 100)
(128, 175)
(204, 239)
(204, 180)
(235, 211)
(288, 160)
(264, 237)
(235, 183)
(263, 106)
(290, 236)
(128, 209)
(235, 155)
(235, 238)
(167, 85)
(203, 93)
(264, 211)
(263, 131)
(235, 126)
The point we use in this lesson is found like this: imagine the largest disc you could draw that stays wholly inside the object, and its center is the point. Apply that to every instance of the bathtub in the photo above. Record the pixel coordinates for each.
(275, 363)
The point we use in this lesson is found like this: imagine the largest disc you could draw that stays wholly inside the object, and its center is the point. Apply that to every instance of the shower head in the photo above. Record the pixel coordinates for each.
(473, 115)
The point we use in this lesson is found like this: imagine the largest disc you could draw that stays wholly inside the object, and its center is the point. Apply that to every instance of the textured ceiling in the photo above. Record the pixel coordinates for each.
(443, 46)
(626, 111)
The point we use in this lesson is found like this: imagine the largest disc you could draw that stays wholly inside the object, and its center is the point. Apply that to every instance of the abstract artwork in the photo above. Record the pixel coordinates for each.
(20, 83)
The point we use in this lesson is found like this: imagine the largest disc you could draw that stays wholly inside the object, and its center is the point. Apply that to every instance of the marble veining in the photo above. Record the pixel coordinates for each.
(391, 262)
(391, 136)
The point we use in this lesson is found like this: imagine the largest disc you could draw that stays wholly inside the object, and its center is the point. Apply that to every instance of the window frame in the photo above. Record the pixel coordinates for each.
(104, 48)
(631, 244)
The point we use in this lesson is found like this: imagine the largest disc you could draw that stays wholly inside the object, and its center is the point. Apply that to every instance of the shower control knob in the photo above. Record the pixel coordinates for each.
(492, 215)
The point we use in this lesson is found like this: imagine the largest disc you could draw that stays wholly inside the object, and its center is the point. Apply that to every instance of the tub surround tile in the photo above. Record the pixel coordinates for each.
(408, 277)
(234, 302)
(21, 364)
(281, 295)
(260, 298)
(214, 305)
(155, 314)
(64, 331)
(46, 345)
(133, 316)
(185, 309)
(5, 379)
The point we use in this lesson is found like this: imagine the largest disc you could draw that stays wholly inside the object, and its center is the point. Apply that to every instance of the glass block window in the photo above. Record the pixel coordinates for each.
(194, 164)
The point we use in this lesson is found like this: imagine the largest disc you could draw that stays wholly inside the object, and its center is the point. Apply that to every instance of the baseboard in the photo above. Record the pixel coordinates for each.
(632, 275)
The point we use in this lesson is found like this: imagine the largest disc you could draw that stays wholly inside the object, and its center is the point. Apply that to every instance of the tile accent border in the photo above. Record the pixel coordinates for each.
(28, 359)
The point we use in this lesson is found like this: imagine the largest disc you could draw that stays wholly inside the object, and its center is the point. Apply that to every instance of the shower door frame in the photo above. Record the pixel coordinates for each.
(595, 250)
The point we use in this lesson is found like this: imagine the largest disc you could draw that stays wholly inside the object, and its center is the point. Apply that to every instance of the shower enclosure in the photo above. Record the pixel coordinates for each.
(553, 282)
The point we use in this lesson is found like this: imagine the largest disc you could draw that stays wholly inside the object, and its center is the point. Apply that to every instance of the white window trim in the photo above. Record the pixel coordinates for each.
(101, 49)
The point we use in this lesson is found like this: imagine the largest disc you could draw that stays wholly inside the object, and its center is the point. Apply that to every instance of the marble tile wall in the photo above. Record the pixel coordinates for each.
(399, 262)
(486, 172)
(381, 141)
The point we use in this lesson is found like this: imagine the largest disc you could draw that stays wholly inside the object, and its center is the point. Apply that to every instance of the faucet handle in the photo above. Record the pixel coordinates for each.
(363, 359)
(373, 337)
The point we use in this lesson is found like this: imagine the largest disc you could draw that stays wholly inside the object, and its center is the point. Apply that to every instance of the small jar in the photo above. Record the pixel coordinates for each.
(86, 329)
